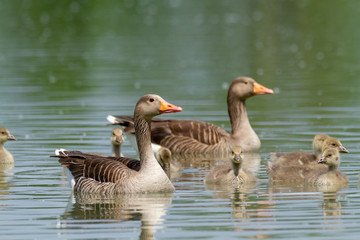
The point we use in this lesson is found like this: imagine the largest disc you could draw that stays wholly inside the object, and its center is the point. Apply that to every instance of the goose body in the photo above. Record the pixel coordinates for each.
(233, 174)
(111, 176)
(5, 155)
(299, 166)
(198, 137)
(332, 175)
(320, 143)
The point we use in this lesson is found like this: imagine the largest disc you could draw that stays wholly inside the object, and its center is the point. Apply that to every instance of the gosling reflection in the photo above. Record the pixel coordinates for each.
(148, 208)
(331, 206)
(4, 184)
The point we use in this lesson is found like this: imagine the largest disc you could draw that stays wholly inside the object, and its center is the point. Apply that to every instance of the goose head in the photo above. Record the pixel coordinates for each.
(151, 105)
(5, 135)
(330, 157)
(318, 143)
(117, 137)
(236, 158)
(244, 87)
(164, 156)
(331, 142)
(237, 155)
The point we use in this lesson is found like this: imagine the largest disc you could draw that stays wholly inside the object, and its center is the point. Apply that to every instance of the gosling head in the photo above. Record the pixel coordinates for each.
(164, 156)
(330, 157)
(237, 155)
(5, 135)
(117, 137)
(318, 143)
(332, 142)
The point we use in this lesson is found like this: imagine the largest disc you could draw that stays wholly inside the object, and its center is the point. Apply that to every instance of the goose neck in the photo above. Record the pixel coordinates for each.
(143, 139)
(238, 115)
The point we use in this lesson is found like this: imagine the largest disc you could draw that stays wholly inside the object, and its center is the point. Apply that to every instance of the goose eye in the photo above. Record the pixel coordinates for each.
(151, 100)
(245, 83)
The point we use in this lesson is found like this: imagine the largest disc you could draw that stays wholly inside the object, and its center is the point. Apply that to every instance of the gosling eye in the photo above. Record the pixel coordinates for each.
(151, 100)
(333, 144)
(3, 133)
(329, 155)
(246, 83)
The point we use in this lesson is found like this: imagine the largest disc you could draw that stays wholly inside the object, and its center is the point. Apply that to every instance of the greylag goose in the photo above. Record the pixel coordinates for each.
(166, 162)
(117, 139)
(302, 165)
(197, 137)
(332, 175)
(102, 175)
(320, 143)
(233, 174)
(5, 155)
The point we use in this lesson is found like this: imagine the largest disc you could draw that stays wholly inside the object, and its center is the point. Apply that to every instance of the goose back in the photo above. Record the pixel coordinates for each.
(200, 137)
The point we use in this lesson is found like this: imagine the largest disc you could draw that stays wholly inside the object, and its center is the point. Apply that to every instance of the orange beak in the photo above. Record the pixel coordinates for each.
(261, 90)
(169, 108)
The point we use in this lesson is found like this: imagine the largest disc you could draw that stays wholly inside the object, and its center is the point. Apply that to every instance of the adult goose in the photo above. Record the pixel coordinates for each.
(5, 155)
(198, 137)
(233, 174)
(105, 176)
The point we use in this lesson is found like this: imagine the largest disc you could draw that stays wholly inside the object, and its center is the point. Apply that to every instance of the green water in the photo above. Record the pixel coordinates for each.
(66, 65)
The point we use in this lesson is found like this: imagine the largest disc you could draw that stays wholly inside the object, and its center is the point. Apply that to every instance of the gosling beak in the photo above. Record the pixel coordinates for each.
(237, 158)
(343, 149)
(11, 137)
(119, 139)
(261, 90)
(322, 160)
(169, 108)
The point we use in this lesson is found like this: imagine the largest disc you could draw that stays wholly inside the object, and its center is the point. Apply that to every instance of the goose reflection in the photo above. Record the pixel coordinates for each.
(148, 208)
(331, 206)
(4, 175)
(237, 195)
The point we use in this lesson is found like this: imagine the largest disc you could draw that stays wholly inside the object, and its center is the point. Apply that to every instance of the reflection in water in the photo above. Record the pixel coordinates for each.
(148, 208)
(331, 206)
(4, 185)
(284, 187)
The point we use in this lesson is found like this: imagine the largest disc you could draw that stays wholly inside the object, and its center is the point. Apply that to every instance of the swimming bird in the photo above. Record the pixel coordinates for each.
(117, 139)
(166, 162)
(233, 174)
(5, 155)
(105, 176)
(198, 137)
(298, 167)
(332, 175)
(320, 142)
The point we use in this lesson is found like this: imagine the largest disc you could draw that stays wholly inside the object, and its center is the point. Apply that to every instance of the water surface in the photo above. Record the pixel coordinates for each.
(66, 65)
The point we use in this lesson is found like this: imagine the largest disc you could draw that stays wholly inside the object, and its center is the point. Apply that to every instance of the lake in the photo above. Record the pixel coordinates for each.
(66, 65)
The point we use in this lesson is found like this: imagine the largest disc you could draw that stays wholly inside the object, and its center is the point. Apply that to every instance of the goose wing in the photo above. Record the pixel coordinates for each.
(131, 163)
(203, 132)
(99, 169)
